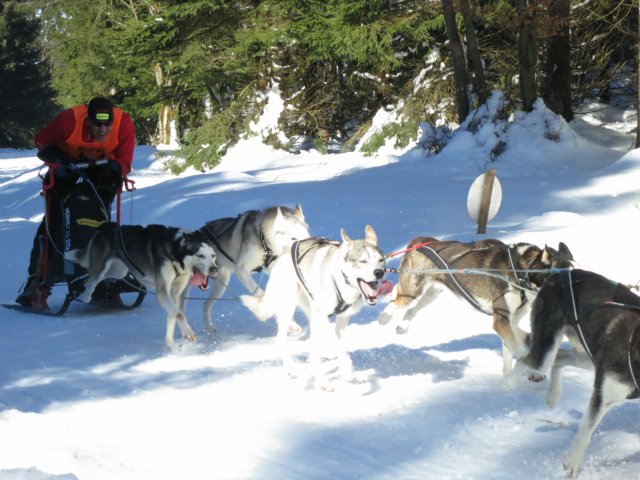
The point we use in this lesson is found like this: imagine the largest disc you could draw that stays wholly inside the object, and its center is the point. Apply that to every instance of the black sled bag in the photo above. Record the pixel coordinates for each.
(73, 219)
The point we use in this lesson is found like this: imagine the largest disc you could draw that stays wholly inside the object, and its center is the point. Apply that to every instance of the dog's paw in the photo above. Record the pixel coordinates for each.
(189, 337)
(552, 396)
(326, 387)
(384, 318)
(294, 328)
(536, 377)
(402, 329)
(209, 328)
(572, 461)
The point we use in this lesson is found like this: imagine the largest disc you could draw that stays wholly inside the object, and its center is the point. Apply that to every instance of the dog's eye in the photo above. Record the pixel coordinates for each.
(199, 255)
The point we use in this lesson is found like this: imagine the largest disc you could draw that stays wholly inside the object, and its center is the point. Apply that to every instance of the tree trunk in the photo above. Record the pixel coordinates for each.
(479, 81)
(557, 91)
(638, 80)
(460, 75)
(527, 53)
(165, 112)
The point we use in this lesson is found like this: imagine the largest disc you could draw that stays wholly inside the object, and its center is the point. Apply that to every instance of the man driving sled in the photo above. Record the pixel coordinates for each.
(83, 133)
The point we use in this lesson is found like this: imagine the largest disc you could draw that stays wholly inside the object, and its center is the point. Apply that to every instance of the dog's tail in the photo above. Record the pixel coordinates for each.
(79, 256)
(280, 295)
(258, 307)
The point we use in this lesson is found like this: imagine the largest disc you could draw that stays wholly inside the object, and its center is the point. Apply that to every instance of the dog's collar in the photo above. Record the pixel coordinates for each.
(523, 277)
(269, 256)
(342, 305)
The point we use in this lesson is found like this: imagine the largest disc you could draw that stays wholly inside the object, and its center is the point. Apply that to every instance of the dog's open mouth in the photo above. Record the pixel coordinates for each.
(371, 290)
(202, 281)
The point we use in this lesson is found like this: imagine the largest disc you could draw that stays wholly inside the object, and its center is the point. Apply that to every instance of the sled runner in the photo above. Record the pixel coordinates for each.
(70, 220)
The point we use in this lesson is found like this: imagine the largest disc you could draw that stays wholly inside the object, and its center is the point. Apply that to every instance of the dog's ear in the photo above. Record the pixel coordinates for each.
(298, 212)
(547, 254)
(370, 235)
(345, 237)
(279, 215)
(531, 253)
(562, 248)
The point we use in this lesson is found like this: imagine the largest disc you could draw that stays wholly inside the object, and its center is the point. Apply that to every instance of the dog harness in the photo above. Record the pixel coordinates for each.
(268, 257)
(297, 257)
(524, 283)
(440, 262)
(215, 237)
(608, 301)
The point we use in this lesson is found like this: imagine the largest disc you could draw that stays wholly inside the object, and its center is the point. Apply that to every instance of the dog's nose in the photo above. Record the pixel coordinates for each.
(213, 270)
(379, 273)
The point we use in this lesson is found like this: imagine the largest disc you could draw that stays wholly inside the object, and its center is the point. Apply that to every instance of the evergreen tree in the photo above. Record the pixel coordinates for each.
(348, 58)
(25, 95)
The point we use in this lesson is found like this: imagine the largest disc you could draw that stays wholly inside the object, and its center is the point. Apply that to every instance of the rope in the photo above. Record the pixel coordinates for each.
(400, 252)
(475, 271)
(633, 376)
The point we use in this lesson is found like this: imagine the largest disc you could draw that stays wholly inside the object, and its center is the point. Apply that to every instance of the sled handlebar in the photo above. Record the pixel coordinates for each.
(82, 165)
(48, 182)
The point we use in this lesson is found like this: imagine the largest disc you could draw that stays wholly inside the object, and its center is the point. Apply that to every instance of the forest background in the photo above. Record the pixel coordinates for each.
(198, 71)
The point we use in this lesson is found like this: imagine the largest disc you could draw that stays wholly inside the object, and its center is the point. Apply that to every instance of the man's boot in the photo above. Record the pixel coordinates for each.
(34, 295)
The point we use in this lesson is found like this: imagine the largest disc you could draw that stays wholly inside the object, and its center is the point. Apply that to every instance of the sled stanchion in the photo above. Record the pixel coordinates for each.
(485, 201)
(118, 198)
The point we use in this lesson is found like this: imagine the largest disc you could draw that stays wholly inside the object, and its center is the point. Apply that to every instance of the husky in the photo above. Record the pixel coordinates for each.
(164, 259)
(601, 319)
(250, 243)
(500, 280)
(324, 278)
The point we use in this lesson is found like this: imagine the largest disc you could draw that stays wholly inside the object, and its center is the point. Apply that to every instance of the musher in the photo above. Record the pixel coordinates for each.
(83, 133)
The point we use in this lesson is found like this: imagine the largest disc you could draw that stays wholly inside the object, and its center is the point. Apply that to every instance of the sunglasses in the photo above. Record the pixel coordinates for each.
(100, 124)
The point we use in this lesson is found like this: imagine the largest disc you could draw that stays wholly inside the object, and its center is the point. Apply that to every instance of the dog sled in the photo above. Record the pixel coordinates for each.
(70, 221)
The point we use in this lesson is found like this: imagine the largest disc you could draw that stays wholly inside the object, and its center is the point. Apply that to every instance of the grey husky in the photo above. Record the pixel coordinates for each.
(500, 280)
(164, 259)
(250, 243)
(601, 319)
(324, 278)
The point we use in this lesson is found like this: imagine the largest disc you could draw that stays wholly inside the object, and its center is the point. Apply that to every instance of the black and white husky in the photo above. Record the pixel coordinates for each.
(601, 319)
(250, 243)
(498, 279)
(324, 278)
(163, 259)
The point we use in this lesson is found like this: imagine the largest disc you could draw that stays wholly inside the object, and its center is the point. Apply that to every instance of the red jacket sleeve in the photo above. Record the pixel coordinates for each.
(57, 130)
(123, 153)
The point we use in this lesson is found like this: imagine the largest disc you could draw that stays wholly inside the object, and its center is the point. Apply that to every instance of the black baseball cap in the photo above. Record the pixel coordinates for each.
(100, 111)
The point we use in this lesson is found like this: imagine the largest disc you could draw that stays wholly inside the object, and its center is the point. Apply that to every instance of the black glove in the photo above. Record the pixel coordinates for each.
(53, 154)
(106, 176)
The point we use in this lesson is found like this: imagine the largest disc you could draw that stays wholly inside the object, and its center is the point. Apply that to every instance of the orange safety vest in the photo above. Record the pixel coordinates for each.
(79, 148)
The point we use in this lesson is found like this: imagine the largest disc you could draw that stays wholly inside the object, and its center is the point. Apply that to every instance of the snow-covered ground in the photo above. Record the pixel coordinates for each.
(95, 395)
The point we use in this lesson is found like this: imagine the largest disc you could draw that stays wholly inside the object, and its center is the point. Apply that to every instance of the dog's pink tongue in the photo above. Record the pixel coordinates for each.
(385, 287)
(199, 280)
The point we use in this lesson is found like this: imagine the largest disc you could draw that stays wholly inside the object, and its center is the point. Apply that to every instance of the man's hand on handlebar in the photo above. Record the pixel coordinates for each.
(53, 154)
